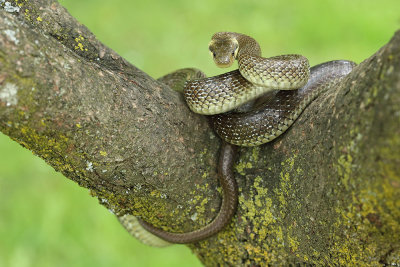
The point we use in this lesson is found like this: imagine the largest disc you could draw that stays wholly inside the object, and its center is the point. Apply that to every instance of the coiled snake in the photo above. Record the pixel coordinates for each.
(270, 115)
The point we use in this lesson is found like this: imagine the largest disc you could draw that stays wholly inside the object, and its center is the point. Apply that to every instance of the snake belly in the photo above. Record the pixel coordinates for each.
(273, 112)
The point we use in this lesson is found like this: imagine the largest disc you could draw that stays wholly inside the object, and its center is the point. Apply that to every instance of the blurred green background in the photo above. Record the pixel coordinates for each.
(47, 220)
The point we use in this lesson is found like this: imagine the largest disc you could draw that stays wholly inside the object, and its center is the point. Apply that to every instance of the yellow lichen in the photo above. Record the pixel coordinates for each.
(372, 216)
(241, 166)
(293, 243)
(79, 43)
(255, 153)
(344, 168)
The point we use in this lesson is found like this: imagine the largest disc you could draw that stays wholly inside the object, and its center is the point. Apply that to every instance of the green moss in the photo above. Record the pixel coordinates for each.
(255, 152)
(150, 207)
(285, 188)
(266, 226)
(267, 242)
(344, 169)
(48, 147)
(242, 166)
(372, 216)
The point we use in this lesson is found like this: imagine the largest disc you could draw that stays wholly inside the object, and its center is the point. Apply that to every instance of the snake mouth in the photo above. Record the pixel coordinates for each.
(224, 62)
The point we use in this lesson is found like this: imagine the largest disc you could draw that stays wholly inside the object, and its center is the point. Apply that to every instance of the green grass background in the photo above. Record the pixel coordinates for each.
(47, 220)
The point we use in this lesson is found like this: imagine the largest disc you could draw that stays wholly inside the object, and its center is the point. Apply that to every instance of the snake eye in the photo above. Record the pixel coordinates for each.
(214, 54)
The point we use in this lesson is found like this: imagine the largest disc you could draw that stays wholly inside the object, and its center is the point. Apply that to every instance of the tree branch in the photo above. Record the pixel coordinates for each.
(326, 192)
(99, 120)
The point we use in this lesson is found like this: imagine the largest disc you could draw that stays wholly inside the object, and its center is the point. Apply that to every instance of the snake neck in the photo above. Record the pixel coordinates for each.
(247, 45)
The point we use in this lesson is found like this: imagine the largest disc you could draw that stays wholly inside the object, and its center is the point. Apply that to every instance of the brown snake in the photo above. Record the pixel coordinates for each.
(271, 114)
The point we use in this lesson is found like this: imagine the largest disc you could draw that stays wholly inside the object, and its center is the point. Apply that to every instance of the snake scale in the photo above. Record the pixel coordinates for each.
(278, 89)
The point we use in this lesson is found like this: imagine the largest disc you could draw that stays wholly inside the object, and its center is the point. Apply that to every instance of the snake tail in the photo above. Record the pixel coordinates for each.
(134, 228)
(226, 212)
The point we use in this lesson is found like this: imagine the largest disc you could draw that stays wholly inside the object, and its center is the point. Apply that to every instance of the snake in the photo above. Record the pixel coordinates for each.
(249, 106)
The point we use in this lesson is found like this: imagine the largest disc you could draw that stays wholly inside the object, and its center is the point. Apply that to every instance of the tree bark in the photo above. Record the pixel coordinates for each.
(326, 192)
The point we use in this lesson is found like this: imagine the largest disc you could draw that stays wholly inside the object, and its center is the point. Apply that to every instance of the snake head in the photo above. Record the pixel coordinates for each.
(223, 51)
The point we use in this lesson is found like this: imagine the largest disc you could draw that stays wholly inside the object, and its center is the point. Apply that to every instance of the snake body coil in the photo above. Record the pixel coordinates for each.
(270, 116)
(276, 111)
(255, 77)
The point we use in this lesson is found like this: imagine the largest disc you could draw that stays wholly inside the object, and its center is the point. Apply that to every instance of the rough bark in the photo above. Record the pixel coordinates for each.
(326, 192)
